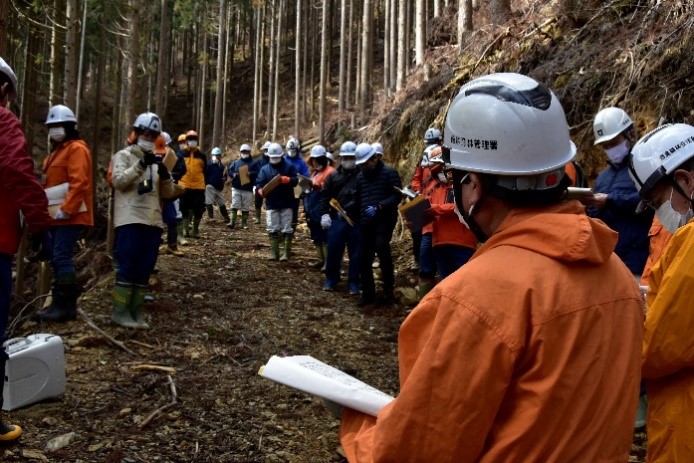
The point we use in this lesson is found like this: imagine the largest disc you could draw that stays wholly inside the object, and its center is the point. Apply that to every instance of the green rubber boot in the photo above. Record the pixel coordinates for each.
(274, 246)
(122, 294)
(181, 237)
(244, 220)
(287, 251)
(232, 221)
(137, 303)
(186, 224)
(257, 216)
(425, 285)
(320, 257)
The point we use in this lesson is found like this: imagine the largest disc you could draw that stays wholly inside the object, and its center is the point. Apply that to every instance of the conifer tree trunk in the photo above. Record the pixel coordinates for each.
(297, 70)
(71, 50)
(203, 90)
(219, 84)
(464, 19)
(57, 61)
(419, 32)
(393, 17)
(323, 69)
(500, 11)
(343, 78)
(271, 67)
(366, 59)
(256, 73)
(162, 59)
(386, 49)
(403, 47)
(350, 47)
(130, 85)
(275, 112)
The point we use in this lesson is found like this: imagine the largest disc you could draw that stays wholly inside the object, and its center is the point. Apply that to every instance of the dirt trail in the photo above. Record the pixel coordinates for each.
(219, 313)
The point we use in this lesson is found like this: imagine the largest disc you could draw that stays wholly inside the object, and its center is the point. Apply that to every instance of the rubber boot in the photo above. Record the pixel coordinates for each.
(244, 220)
(274, 246)
(181, 238)
(641, 412)
(424, 286)
(225, 214)
(186, 224)
(173, 249)
(196, 228)
(210, 211)
(232, 221)
(8, 432)
(287, 251)
(63, 308)
(122, 294)
(137, 303)
(257, 215)
(321, 257)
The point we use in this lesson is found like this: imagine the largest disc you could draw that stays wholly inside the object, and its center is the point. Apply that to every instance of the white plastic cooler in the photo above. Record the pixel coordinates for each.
(35, 370)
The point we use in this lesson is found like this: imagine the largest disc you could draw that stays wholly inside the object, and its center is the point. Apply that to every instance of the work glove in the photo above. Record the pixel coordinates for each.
(42, 246)
(370, 211)
(163, 171)
(325, 221)
(148, 159)
(284, 179)
(61, 215)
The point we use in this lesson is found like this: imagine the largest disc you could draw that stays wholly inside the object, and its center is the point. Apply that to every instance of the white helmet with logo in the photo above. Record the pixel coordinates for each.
(318, 151)
(275, 150)
(659, 153)
(432, 135)
(378, 148)
(609, 123)
(348, 148)
(245, 148)
(509, 125)
(60, 113)
(7, 70)
(292, 144)
(364, 152)
(148, 121)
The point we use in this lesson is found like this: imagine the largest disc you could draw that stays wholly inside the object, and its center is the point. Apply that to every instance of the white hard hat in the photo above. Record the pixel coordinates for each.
(659, 153)
(432, 135)
(609, 123)
(148, 121)
(348, 148)
(506, 124)
(167, 137)
(216, 151)
(292, 144)
(245, 148)
(275, 150)
(265, 146)
(330, 156)
(378, 148)
(7, 70)
(60, 113)
(364, 152)
(318, 151)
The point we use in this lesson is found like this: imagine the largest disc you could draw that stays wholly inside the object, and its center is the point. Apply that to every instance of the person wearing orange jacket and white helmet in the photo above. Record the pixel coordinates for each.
(530, 351)
(20, 192)
(194, 181)
(68, 168)
(662, 168)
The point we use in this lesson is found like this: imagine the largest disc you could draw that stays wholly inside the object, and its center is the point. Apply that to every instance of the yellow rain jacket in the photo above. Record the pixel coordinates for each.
(668, 352)
(196, 165)
(528, 353)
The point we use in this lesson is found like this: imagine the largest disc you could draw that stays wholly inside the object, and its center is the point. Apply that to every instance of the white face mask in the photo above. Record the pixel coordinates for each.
(146, 145)
(670, 218)
(245, 155)
(275, 160)
(616, 154)
(348, 164)
(214, 159)
(57, 134)
(291, 153)
(193, 143)
(182, 146)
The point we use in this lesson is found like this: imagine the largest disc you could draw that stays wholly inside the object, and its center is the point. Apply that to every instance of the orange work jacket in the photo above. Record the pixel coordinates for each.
(658, 237)
(528, 353)
(71, 162)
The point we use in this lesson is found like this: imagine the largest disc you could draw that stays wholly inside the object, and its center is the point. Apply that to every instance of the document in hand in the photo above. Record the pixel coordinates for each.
(310, 375)
(244, 178)
(271, 185)
(56, 197)
(412, 211)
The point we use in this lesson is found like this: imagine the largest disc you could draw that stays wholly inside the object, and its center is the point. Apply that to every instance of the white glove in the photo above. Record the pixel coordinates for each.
(325, 221)
(60, 215)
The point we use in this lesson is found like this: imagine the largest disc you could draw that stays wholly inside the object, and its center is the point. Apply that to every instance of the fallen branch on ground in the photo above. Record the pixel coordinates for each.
(105, 334)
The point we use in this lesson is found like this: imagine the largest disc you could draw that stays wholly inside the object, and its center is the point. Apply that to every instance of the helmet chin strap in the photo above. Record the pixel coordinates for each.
(466, 217)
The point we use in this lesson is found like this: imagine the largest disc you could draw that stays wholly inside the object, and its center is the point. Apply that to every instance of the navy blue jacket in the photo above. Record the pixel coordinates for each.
(299, 164)
(620, 215)
(215, 174)
(234, 171)
(282, 197)
(377, 188)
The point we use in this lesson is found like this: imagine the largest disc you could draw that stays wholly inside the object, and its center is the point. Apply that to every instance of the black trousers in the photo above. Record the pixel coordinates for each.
(375, 239)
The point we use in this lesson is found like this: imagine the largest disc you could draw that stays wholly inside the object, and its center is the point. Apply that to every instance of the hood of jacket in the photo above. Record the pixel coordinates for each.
(561, 231)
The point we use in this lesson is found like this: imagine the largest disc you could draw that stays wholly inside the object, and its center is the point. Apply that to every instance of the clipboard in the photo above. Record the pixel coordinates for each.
(271, 185)
(412, 211)
(56, 197)
(244, 178)
(169, 160)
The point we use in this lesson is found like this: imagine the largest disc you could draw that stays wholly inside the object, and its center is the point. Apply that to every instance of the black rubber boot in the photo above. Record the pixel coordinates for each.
(63, 308)
(225, 214)
(210, 211)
